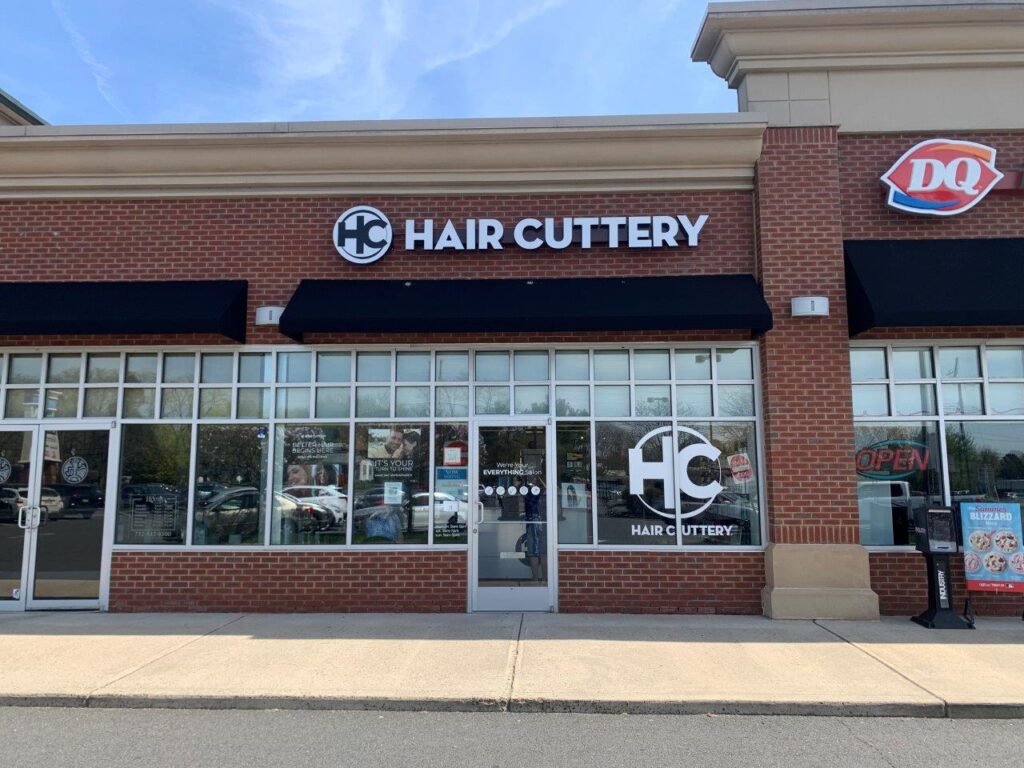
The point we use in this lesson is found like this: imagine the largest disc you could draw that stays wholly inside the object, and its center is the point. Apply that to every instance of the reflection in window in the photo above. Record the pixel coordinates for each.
(333, 366)
(572, 454)
(310, 500)
(897, 469)
(986, 460)
(452, 502)
(231, 481)
(391, 500)
(152, 497)
(732, 517)
(622, 517)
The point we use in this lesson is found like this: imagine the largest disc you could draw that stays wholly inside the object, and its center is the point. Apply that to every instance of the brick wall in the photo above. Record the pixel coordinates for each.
(805, 361)
(286, 582)
(901, 581)
(660, 582)
(276, 242)
(864, 158)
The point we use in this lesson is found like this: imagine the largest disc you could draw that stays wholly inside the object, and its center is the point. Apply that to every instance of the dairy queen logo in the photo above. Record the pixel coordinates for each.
(942, 177)
(74, 470)
(673, 470)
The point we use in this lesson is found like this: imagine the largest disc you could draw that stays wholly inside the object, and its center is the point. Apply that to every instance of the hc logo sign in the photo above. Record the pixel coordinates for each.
(362, 234)
(942, 177)
(673, 470)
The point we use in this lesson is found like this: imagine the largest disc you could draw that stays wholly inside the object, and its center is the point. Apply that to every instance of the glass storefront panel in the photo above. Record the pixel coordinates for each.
(391, 497)
(986, 460)
(453, 505)
(575, 494)
(152, 497)
(898, 473)
(624, 517)
(310, 499)
(231, 471)
(732, 516)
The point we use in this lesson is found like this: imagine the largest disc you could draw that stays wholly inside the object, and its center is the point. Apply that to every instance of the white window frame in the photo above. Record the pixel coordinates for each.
(273, 421)
(940, 418)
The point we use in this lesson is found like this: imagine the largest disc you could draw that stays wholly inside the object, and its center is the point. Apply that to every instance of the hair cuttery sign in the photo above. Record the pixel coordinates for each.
(363, 234)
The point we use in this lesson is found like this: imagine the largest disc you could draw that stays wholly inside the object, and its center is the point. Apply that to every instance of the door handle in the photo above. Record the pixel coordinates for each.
(37, 516)
(21, 518)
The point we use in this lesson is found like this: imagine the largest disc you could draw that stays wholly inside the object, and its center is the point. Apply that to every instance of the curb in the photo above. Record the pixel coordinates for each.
(978, 711)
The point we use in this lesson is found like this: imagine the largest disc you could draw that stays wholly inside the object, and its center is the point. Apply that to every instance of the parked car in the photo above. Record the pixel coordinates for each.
(51, 505)
(206, 490)
(229, 517)
(326, 496)
(10, 502)
(81, 500)
(301, 515)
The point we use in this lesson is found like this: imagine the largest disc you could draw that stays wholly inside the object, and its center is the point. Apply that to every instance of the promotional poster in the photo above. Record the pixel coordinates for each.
(993, 554)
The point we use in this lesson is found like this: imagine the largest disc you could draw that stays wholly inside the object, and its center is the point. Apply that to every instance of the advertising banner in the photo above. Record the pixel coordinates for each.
(993, 554)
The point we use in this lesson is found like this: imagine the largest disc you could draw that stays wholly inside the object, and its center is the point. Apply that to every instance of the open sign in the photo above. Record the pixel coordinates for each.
(892, 459)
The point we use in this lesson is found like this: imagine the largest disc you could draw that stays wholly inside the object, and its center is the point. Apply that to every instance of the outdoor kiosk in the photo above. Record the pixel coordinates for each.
(937, 540)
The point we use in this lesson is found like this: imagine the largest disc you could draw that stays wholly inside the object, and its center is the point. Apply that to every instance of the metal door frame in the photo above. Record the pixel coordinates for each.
(474, 596)
(28, 602)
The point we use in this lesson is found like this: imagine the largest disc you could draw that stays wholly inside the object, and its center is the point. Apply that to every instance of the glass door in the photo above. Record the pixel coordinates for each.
(511, 535)
(18, 511)
(53, 499)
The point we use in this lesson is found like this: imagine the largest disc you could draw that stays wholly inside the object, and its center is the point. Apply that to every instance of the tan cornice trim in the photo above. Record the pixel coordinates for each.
(624, 155)
(793, 36)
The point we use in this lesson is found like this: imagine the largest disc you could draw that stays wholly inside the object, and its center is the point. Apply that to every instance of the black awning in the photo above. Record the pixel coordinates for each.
(171, 306)
(934, 282)
(579, 304)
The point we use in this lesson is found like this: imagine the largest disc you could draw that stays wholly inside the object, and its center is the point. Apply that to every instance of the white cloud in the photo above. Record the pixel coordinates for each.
(101, 73)
(363, 58)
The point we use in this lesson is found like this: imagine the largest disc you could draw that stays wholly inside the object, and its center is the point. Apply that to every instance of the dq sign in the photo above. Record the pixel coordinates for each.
(673, 470)
(942, 177)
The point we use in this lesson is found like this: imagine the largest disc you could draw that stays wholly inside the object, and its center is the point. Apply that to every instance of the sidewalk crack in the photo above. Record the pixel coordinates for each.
(507, 704)
(158, 657)
(887, 665)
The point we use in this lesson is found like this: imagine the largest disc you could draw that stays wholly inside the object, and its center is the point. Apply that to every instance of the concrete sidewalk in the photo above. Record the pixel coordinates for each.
(517, 662)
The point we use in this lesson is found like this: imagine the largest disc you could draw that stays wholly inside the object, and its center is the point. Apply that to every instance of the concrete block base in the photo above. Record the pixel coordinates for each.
(818, 581)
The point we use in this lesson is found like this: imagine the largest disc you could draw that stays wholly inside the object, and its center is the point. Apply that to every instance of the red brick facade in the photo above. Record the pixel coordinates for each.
(277, 581)
(814, 188)
(806, 367)
(660, 582)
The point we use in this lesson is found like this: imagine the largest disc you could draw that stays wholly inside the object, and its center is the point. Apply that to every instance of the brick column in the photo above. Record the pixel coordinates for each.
(815, 566)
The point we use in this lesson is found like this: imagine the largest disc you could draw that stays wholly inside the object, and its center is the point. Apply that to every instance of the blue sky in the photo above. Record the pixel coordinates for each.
(156, 61)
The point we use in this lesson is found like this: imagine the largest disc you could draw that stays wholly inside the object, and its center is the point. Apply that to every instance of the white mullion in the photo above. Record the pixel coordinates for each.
(713, 360)
(236, 364)
(194, 479)
(986, 407)
(890, 381)
(268, 492)
(430, 486)
(158, 386)
(351, 490)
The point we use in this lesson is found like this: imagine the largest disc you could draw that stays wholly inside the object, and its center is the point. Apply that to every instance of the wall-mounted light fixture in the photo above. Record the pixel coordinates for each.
(268, 315)
(809, 306)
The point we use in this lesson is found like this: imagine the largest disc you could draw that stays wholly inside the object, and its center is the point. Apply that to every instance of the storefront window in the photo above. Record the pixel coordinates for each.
(310, 500)
(453, 504)
(575, 494)
(898, 473)
(899, 463)
(152, 497)
(622, 516)
(198, 428)
(986, 460)
(732, 515)
(231, 481)
(391, 500)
